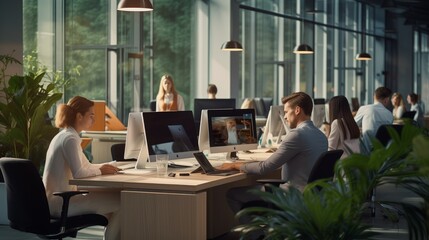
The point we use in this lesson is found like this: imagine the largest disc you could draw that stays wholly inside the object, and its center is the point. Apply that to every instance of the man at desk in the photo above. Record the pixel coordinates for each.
(296, 155)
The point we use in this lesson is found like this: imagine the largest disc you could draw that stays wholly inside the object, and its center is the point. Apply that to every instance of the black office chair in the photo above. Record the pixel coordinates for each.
(117, 150)
(383, 135)
(324, 168)
(152, 105)
(27, 205)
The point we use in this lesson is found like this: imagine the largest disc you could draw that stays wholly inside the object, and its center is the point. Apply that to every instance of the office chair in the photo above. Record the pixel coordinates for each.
(382, 134)
(152, 105)
(117, 150)
(323, 168)
(408, 115)
(27, 205)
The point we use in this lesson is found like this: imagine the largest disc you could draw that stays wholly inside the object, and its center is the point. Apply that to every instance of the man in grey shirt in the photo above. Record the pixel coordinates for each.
(296, 155)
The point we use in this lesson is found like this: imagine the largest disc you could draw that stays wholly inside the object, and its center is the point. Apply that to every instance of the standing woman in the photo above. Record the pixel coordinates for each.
(344, 132)
(65, 160)
(168, 99)
(398, 106)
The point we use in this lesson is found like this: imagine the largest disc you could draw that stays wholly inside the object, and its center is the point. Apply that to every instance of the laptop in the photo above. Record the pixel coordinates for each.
(207, 168)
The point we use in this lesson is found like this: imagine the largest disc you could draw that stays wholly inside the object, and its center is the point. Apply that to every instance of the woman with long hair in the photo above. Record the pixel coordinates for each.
(168, 99)
(344, 133)
(65, 160)
(398, 106)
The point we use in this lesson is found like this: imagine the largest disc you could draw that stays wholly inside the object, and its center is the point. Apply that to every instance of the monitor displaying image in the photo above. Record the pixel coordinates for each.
(171, 133)
(229, 130)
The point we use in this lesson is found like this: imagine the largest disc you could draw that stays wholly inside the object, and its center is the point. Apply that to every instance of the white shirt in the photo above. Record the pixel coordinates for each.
(419, 118)
(339, 140)
(168, 98)
(370, 118)
(64, 161)
(398, 112)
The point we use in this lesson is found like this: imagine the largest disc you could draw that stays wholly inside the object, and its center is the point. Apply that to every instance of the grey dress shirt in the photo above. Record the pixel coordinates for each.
(296, 155)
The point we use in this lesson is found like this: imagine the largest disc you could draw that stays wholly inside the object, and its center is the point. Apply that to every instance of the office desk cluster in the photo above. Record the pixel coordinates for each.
(181, 207)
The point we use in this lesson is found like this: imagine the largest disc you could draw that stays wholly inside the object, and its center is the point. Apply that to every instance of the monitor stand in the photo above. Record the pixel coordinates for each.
(232, 156)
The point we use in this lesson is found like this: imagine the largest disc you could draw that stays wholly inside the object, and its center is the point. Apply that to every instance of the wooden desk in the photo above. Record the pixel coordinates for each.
(181, 207)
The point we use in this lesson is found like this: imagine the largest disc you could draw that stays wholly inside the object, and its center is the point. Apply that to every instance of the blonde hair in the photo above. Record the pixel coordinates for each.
(395, 96)
(161, 91)
(66, 113)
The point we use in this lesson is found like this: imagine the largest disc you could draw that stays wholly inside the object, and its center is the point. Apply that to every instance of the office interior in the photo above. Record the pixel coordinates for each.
(119, 57)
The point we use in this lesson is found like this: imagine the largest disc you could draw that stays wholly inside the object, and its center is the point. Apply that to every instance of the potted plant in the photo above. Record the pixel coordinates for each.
(336, 210)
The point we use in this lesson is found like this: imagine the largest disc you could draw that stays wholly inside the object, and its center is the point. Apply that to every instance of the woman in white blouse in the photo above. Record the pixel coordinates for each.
(398, 106)
(168, 99)
(65, 160)
(344, 132)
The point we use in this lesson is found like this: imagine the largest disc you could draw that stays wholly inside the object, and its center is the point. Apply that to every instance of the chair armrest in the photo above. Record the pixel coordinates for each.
(275, 182)
(65, 208)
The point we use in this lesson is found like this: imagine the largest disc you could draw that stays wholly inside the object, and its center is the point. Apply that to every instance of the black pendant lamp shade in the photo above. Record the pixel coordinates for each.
(303, 49)
(135, 5)
(231, 46)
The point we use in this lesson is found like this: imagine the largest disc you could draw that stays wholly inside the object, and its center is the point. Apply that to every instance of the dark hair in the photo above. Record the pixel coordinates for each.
(212, 89)
(301, 100)
(339, 108)
(66, 113)
(413, 97)
(382, 93)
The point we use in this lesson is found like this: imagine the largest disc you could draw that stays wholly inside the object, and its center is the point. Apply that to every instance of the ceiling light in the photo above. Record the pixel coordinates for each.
(135, 5)
(231, 46)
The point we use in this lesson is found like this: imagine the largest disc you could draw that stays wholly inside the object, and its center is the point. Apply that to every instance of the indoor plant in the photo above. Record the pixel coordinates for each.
(335, 211)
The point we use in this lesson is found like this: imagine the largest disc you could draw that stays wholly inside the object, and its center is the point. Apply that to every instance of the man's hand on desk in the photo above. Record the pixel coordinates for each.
(108, 169)
(230, 166)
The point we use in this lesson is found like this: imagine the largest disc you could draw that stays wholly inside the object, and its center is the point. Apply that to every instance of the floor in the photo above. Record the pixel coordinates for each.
(387, 230)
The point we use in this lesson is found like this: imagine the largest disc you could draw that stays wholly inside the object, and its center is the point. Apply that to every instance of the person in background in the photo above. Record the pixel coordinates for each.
(371, 117)
(168, 99)
(398, 106)
(412, 99)
(65, 160)
(211, 91)
(296, 155)
(344, 133)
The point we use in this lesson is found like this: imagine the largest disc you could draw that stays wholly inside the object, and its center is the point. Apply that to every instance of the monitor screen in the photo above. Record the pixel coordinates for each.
(228, 130)
(171, 133)
(275, 127)
(205, 103)
(134, 140)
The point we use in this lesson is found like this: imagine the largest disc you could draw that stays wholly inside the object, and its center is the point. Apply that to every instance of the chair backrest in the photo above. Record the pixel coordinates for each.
(152, 105)
(118, 151)
(324, 166)
(259, 106)
(383, 135)
(27, 205)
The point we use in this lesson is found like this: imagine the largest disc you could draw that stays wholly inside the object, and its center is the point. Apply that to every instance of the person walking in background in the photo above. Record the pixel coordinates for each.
(344, 133)
(211, 91)
(398, 106)
(168, 99)
(65, 160)
(371, 117)
(412, 99)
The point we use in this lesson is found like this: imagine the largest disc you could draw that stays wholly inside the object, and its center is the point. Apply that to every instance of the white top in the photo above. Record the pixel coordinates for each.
(338, 140)
(169, 98)
(370, 118)
(64, 161)
(397, 112)
(419, 117)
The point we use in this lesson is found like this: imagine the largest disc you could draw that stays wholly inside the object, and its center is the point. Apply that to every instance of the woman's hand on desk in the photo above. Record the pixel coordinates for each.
(108, 169)
(230, 166)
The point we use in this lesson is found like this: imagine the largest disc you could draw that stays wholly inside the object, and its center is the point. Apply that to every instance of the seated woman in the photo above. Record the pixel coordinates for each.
(398, 106)
(344, 132)
(65, 160)
(168, 99)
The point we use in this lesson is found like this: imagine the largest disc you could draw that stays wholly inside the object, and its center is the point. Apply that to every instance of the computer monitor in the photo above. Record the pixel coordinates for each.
(318, 114)
(135, 138)
(275, 127)
(171, 133)
(228, 130)
(205, 103)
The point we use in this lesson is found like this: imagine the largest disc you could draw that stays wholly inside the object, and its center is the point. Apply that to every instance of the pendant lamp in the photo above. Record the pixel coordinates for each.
(135, 6)
(303, 48)
(232, 46)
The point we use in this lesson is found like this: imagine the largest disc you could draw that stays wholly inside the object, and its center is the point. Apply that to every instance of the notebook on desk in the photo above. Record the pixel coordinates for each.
(207, 168)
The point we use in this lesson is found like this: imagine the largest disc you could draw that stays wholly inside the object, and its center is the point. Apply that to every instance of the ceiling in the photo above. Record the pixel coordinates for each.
(415, 12)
